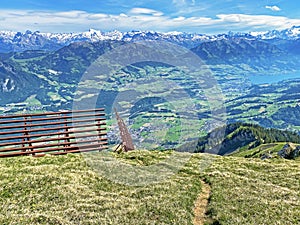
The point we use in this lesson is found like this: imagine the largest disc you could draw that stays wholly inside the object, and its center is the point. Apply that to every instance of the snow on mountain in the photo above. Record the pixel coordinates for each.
(7, 34)
(18, 41)
(258, 33)
(292, 33)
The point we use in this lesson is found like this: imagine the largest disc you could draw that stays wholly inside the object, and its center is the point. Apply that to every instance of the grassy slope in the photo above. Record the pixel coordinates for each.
(257, 152)
(270, 149)
(252, 191)
(64, 190)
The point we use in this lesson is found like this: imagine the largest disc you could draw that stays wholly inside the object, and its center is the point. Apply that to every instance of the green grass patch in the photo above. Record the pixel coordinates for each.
(270, 149)
(66, 190)
(252, 191)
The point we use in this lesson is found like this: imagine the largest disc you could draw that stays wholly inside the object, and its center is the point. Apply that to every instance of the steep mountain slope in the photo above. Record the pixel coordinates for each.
(71, 61)
(226, 140)
(286, 150)
(51, 76)
(240, 52)
(235, 48)
(17, 41)
(292, 46)
(15, 84)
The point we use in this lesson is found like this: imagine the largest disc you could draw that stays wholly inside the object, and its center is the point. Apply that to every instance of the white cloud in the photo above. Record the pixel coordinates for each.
(180, 18)
(258, 21)
(70, 14)
(273, 7)
(138, 19)
(145, 11)
(97, 16)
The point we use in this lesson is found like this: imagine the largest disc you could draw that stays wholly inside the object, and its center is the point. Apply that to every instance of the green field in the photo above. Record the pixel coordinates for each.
(67, 190)
(176, 103)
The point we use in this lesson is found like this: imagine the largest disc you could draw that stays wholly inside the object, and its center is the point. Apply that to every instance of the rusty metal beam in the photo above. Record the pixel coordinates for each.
(124, 133)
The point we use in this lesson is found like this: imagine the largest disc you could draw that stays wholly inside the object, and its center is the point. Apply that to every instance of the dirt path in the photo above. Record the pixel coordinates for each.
(201, 204)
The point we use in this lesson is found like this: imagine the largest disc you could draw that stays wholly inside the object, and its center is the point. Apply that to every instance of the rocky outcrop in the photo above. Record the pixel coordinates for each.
(289, 151)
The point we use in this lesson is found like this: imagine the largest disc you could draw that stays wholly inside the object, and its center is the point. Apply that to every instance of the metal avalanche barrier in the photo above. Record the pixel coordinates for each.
(53, 133)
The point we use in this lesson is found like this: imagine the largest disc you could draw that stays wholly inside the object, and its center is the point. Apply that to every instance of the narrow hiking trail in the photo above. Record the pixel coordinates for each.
(201, 204)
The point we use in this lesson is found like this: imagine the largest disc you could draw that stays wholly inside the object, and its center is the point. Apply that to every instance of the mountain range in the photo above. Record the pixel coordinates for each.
(23, 74)
(40, 71)
(18, 41)
(52, 64)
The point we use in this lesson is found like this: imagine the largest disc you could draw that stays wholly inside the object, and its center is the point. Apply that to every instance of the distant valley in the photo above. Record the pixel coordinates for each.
(40, 72)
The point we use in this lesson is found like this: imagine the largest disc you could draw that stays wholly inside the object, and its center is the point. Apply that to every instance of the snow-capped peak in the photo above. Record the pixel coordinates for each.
(18, 41)
(295, 30)
(258, 33)
(288, 34)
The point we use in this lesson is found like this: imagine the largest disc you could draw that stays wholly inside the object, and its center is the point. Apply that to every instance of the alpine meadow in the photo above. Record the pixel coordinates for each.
(168, 112)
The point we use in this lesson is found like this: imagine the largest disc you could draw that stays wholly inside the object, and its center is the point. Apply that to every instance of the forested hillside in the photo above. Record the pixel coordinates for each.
(232, 137)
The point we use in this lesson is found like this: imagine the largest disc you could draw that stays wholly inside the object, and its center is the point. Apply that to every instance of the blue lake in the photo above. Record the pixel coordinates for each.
(269, 79)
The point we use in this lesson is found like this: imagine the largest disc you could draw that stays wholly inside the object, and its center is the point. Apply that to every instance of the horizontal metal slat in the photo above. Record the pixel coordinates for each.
(52, 128)
(52, 113)
(45, 140)
(71, 149)
(52, 123)
(51, 134)
(52, 118)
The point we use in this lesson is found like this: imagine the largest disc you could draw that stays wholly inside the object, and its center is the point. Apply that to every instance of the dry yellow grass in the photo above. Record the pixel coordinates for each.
(65, 190)
(252, 191)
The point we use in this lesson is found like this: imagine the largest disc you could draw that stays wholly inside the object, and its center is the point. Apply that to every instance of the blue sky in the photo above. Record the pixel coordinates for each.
(196, 16)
